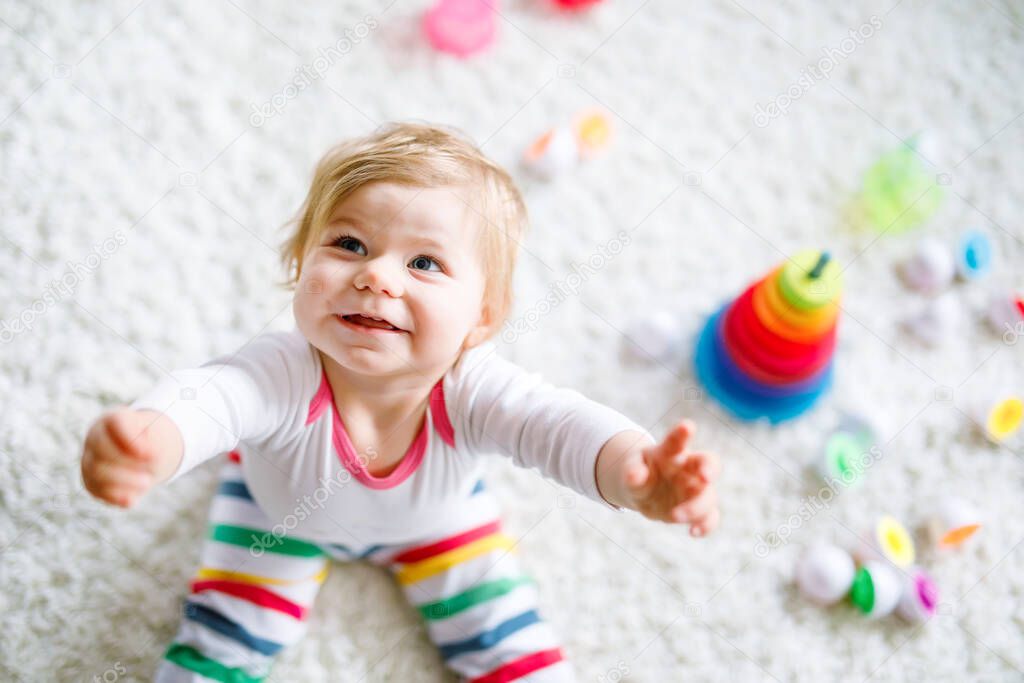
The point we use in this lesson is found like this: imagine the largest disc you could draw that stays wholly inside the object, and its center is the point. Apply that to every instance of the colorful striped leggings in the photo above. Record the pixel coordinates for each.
(253, 592)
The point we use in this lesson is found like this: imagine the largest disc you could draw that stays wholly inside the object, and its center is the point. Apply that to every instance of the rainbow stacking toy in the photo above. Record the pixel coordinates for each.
(769, 354)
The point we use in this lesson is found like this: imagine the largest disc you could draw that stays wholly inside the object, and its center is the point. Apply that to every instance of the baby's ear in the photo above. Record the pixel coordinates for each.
(483, 329)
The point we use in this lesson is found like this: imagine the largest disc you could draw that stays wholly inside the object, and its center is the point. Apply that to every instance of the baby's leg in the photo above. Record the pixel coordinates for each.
(480, 609)
(250, 596)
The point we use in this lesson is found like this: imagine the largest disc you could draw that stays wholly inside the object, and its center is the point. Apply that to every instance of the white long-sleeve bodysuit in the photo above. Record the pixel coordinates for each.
(294, 492)
(271, 400)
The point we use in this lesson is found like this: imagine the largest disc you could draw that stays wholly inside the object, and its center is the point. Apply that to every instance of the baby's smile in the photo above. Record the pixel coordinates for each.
(368, 325)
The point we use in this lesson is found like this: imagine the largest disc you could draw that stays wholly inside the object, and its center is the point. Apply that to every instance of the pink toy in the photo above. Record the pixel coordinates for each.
(461, 27)
(920, 596)
(575, 4)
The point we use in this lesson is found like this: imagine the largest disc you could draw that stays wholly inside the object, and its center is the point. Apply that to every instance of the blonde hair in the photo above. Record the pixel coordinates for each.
(418, 155)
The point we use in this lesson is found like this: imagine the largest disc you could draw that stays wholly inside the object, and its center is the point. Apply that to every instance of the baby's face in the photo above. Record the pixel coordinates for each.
(407, 255)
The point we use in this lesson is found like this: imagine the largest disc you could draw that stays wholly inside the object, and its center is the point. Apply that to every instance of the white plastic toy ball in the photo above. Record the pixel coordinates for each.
(656, 335)
(927, 144)
(920, 596)
(824, 574)
(876, 589)
(936, 321)
(1005, 315)
(553, 153)
(887, 540)
(953, 522)
(931, 269)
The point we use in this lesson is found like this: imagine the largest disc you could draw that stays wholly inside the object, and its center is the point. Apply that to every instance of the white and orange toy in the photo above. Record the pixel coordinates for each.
(561, 148)
(953, 522)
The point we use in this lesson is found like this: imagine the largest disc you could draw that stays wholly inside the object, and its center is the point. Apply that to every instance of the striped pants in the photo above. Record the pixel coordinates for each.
(253, 592)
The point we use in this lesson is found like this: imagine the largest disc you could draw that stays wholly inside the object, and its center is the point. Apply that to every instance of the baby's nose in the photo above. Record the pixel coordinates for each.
(382, 276)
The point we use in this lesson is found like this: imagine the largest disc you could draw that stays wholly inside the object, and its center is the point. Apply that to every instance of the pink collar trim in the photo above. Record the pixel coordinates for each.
(437, 414)
(320, 401)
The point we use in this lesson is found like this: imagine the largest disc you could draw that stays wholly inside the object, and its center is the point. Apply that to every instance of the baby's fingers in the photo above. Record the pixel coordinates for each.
(113, 483)
(128, 431)
(640, 479)
(100, 446)
(707, 466)
(674, 442)
(124, 497)
(697, 507)
(705, 526)
(670, 455)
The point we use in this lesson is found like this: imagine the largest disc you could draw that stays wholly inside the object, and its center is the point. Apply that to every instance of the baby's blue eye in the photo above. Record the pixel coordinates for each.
(350, 244)
(424, 263)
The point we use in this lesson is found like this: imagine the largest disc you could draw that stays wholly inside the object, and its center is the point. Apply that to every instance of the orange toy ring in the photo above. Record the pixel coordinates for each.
(773, 323)
(815, 322)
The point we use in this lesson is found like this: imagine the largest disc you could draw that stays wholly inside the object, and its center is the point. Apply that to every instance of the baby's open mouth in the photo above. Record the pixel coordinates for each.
(365, 321)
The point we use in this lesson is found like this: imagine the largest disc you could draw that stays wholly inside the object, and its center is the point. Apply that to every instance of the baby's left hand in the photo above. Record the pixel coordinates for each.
(671, 485)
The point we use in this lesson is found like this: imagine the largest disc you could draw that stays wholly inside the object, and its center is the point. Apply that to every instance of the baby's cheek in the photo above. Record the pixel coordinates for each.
(300, 311)
(456, 314)
(309, 291)
(314, 278)
(440, 323)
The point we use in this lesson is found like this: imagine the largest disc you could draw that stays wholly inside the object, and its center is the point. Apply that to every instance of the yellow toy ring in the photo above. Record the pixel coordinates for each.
(816, 322)
(773, 323)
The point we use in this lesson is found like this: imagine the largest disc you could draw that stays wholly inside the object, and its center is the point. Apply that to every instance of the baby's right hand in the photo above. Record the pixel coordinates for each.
(127, 451)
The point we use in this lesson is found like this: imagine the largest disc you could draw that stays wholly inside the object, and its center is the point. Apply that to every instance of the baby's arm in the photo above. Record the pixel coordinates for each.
(497, 406)
(190, 417)
(578, 442)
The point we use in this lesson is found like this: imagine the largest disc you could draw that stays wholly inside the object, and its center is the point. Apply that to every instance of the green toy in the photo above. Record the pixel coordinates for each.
(900, 192)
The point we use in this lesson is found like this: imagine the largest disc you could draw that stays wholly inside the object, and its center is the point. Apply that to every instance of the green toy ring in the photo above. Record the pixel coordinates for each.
(810, 280)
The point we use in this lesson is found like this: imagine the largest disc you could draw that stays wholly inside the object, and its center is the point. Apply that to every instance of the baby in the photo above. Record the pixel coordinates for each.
(358, 435)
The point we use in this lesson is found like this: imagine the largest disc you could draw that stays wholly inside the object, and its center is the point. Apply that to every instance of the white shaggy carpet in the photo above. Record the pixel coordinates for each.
(133, 158)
